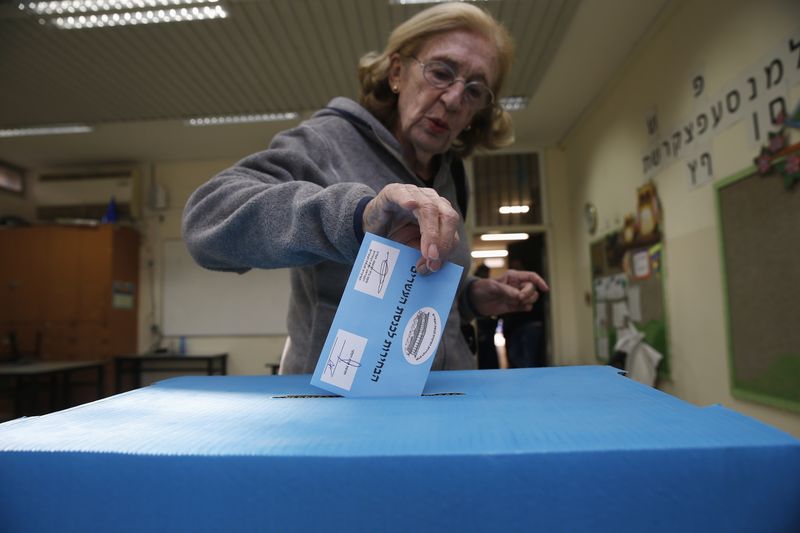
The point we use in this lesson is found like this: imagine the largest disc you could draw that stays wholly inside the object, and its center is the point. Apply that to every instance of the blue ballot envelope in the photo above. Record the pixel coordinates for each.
(388, 325)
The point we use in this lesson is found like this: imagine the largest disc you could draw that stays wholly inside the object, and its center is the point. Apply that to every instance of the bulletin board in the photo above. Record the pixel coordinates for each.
(759, 226)
(197, 301)
(628, 285)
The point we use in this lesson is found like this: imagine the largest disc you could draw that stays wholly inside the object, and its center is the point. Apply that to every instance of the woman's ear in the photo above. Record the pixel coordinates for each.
(395, 72)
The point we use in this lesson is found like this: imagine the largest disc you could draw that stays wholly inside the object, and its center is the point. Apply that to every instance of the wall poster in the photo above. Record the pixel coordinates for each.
(628, 284)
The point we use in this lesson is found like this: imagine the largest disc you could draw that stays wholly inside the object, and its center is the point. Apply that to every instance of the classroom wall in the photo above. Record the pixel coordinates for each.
(602, 163)
(247, 354)
(599, 161)
(562, 267)
(12, 204)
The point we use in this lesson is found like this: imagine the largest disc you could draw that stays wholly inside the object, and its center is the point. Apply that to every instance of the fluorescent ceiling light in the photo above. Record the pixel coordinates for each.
(404, 2)
(512, 209)
(130, 18)
(504, 236)
(495, 262)
(482, 254)
(240, 119)
(514, 103)
(61, 7)
(80, 14)
(45, 130)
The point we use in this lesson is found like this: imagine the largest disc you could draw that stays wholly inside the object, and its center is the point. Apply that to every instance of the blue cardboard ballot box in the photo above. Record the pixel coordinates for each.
(552, 449)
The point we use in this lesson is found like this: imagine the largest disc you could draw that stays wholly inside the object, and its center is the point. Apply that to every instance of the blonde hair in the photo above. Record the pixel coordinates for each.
(492, 127)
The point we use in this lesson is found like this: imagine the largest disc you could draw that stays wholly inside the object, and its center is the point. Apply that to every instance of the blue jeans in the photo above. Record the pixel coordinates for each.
(524, 346)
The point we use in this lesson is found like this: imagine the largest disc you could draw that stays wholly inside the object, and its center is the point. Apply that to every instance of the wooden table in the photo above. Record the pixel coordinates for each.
(176, 363)
(27, 380)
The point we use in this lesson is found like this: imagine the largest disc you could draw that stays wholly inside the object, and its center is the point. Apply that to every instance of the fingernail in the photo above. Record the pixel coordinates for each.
(434, 266)
(433, 252)
(422, 269)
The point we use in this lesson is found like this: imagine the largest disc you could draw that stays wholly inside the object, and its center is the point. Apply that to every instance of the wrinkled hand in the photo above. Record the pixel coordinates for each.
(417, 217)
(513, 291)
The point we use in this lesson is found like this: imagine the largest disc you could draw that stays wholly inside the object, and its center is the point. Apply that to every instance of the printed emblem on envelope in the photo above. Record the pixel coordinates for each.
(376, 270)
(421, 335)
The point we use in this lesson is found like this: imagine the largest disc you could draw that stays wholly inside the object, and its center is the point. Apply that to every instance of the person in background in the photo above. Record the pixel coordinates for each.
(524, 333)
(383, 165)
(486, 325)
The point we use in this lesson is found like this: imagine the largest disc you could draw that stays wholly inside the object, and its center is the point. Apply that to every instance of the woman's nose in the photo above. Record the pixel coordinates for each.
(453, 96)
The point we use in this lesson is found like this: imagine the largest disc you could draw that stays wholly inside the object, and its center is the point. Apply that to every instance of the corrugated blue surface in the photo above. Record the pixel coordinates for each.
(566, 449)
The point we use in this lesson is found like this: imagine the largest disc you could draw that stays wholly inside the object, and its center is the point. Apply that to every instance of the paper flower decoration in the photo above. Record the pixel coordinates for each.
(777, 141)
(777, 149)
(764, 162)
(793, 164)
(791, 170)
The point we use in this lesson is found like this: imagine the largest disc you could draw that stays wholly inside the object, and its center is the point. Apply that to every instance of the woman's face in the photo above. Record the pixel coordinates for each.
(430, 119)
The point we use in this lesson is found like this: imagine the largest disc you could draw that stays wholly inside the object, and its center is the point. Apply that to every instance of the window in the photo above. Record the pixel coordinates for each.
(12, 179)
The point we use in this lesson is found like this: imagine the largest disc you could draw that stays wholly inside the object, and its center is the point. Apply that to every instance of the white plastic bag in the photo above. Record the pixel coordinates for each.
(641, 362)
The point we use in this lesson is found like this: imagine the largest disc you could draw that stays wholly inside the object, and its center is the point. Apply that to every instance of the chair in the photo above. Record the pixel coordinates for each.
(18, 356)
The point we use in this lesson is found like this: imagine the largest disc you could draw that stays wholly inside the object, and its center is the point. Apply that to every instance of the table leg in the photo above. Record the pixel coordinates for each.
(65, 384)
(55, 393)
(138, 371)
(101, 381)
(19, 395)
(118, 375)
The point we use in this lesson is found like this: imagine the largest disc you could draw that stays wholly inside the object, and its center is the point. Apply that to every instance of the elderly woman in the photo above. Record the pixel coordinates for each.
(383, 165)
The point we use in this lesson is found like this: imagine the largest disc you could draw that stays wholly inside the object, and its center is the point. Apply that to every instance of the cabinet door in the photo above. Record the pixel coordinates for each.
(93, 340)
(58, 280)
(22, 270)
(62, 275)
(125, 273)
(94, 277)
(61, 341)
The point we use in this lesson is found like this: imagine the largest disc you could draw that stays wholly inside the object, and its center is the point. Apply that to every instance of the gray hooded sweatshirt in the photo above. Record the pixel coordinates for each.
(293, 206)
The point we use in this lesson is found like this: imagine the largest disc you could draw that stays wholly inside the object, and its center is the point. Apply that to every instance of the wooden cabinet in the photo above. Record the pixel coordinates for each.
(73, 286)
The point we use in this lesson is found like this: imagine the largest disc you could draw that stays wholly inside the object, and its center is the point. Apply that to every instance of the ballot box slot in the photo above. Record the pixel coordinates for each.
(307, 396)
(284, 396)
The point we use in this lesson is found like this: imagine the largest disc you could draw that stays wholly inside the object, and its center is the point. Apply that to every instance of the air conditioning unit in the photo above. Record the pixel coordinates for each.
(85, 193)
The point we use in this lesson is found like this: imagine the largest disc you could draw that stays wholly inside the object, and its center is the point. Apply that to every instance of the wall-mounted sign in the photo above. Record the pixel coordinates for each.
(758, 95)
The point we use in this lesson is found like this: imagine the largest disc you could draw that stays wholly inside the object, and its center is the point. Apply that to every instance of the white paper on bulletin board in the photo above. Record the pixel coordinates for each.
(197, 301)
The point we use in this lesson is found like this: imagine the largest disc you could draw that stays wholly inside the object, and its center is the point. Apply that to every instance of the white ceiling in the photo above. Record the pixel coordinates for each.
(137, 84)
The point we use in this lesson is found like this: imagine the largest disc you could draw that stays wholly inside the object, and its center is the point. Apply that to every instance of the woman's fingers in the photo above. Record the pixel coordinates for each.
(436, 218)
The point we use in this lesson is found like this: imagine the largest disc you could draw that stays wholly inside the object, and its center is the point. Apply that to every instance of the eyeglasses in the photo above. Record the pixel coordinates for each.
(440, 75)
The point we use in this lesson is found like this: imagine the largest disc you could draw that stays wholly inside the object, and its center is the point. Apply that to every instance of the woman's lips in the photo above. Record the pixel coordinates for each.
(438, 126)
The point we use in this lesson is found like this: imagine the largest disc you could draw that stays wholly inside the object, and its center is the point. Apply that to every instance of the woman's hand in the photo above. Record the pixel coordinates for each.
(417, 217)
(513, 291)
